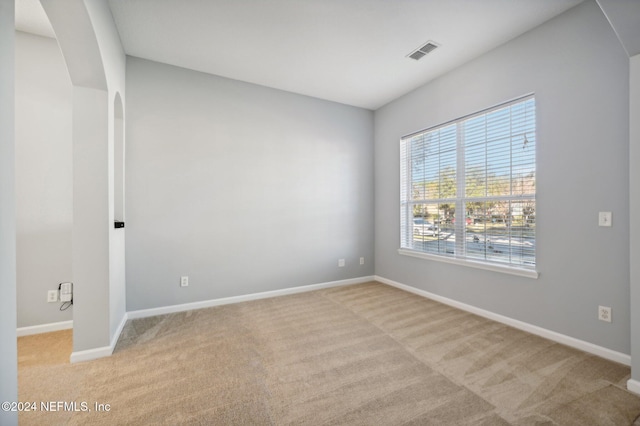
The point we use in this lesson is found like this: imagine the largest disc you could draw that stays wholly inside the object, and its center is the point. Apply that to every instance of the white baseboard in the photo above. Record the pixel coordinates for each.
(104, 351)
(530, 328)
(77, 356)
(633, 386)
(89, 354)
(143, 313)
(116, 336)
(44, 328)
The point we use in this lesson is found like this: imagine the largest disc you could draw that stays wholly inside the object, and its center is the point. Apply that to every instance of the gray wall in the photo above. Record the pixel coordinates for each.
(243, 188)
(43, 177)
(634, 161)
(580, 75)
(8, 350)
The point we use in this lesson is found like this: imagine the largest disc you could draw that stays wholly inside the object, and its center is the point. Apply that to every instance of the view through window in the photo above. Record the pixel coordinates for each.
(468, 187)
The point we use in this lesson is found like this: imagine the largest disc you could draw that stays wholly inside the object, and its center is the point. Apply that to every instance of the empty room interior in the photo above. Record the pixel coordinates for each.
(320, 212)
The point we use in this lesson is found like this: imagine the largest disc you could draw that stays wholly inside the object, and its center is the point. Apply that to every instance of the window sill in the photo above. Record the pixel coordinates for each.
(521, 272)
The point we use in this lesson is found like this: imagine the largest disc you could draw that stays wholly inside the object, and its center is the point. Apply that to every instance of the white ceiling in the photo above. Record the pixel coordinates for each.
(347, 51)
(30, 18)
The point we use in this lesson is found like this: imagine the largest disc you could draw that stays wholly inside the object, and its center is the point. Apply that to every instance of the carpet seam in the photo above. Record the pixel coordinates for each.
(410, 351)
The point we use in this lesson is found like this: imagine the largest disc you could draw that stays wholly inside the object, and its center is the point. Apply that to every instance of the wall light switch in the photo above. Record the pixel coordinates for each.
(604, 219)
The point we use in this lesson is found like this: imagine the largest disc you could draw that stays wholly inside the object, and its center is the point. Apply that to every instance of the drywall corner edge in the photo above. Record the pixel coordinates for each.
(104, 351)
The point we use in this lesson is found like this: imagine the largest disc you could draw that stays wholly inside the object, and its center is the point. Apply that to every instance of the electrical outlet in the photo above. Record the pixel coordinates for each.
(52, 296)
(184, 281)
(340, 263)
(362, 260)
(604, 313)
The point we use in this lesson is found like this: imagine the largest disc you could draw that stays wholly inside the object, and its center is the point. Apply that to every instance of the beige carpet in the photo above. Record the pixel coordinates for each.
(366, 354)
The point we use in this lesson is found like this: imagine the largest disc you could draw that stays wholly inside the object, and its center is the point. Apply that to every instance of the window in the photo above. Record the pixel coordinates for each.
(468, 189)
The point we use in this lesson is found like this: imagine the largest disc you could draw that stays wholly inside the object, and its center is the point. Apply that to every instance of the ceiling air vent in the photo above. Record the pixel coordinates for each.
(422, 50)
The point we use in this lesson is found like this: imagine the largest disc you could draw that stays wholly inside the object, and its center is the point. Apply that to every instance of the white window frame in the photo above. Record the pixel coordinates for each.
(407, 243)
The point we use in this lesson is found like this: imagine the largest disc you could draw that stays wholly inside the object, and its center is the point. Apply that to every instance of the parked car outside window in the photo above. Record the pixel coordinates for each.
(422, 227)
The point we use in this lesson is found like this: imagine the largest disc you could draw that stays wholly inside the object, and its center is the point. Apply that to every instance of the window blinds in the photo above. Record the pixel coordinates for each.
(468, 187)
